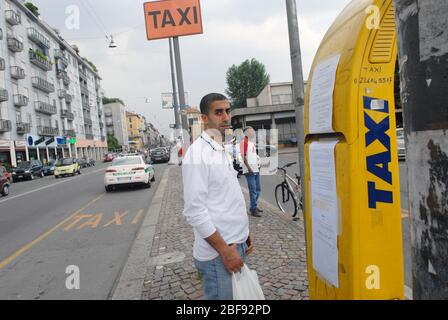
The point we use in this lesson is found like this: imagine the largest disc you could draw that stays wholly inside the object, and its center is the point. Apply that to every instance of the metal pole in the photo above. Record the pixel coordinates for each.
(173, 79)
(180, 82)
(423, 56)
(299, 94)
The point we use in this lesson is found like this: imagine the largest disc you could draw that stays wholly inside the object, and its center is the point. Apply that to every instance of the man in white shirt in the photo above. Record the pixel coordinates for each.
(214, 204)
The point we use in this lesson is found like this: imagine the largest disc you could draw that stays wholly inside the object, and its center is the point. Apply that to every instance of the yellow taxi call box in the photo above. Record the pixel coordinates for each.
(353, 215)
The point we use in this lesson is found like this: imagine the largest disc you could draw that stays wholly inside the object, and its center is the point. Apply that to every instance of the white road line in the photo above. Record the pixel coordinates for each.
(49, 186)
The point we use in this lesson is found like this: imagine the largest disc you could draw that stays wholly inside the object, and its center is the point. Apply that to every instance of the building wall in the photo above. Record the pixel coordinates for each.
(116, 123)
(136, 125)
(28, 114)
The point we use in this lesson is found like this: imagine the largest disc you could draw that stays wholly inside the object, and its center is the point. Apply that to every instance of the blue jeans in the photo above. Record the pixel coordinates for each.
(253, 182)
(217, 281)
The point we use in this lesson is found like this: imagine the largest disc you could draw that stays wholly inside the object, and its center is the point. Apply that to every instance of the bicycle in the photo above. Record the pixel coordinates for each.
(288, 194)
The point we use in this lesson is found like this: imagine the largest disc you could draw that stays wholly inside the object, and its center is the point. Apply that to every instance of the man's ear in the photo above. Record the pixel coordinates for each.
(204, 119)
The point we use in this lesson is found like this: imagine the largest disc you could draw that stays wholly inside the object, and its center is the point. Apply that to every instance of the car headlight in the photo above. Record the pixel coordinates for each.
(27, 171)
(52, 168)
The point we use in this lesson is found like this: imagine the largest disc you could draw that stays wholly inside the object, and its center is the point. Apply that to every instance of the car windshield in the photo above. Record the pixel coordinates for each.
(126, 161)
(64, 162)
(24, 165)
(51, 163)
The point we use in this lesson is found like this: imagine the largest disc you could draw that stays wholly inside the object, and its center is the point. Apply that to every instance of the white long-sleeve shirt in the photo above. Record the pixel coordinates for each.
(213, 199)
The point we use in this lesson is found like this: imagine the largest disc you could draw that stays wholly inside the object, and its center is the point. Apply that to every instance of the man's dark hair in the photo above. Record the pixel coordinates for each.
(209, 99)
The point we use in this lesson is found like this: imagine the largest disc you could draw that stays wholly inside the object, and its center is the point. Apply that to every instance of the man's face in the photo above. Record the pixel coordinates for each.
(219, 117)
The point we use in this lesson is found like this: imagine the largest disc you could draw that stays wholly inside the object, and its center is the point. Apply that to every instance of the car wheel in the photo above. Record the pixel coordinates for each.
(148, 185)
(153, 179)
(32, 177)
(108, 189)
(5, 191)
(56, 177)
(42, 174)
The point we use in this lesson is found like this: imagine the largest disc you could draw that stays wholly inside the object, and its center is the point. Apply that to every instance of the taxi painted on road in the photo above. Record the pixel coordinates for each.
(66, 167)
(129, 170)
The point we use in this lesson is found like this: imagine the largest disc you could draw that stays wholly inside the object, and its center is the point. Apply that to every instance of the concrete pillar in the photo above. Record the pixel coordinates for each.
(423, 56)
(38, 153)
(76, 151)
(27, 153)
(63, 153)
(70, 150)
(12, 152)
(48, 154)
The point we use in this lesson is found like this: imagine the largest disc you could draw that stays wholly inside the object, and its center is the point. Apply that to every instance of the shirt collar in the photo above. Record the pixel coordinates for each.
(211, 142)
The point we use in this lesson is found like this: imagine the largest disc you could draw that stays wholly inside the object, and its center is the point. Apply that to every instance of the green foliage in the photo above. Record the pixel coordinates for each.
(107, 100)
(91, 64)
(32, 8)
(246, 81)
(112, 143)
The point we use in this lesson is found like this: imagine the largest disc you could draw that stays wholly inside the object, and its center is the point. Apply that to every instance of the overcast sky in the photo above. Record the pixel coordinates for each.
(234, 30)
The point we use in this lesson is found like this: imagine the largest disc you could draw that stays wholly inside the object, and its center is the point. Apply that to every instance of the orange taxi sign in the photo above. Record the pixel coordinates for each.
(172, 18)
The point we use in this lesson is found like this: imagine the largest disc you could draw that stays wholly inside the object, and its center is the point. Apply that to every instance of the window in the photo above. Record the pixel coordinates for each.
(18, 117)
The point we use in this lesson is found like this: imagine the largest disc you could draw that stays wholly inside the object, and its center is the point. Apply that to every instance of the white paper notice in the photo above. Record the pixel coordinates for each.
(324, 211)
(321, 96)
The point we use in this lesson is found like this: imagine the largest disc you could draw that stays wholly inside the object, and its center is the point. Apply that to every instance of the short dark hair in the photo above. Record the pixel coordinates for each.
(209, 99)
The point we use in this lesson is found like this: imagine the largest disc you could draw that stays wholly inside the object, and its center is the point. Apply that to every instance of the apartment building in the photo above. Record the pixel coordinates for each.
(136, 129)
(116, 124)
(50, 97)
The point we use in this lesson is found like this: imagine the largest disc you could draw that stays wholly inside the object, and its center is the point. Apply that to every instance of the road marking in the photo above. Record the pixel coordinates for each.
(42, 237)
(93, 222)
(77, 218)
(116, 219)
(137, 217)
(49, 186)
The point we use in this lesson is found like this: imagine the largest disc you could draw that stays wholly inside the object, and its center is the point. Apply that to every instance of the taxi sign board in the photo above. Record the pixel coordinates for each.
(172, 18)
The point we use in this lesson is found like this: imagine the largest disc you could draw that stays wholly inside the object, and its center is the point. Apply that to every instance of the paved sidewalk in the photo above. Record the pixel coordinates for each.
(166, 271)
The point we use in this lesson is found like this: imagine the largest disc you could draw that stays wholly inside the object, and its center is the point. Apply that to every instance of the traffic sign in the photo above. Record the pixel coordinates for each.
(172, 18)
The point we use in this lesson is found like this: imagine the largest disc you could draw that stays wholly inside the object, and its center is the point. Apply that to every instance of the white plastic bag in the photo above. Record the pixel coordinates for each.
(246, 286)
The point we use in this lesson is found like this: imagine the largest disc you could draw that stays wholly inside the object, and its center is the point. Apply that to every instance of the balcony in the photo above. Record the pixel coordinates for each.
(60, 55)
(68, 115)
(108, 114)
(85, 105)
(89, 136)
(101, 125)
(17, 73)
(20, 100)
(62, 93)
(68, 98)
(84, 89)
(40, 60)
(64, 76)
(23, 128)
(69, 133)
(42, 85)
(88, 121)
(47, 131)
(4, 96)
(13, 18)
(2, 64)
(109, 123)
(82, 74)
(14, 44)
(5, 125)
(100, 112)
(38, 38)
(45, 108)
(103, 138)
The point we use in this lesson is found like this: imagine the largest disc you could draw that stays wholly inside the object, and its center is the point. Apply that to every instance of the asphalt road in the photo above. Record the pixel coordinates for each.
(268, 184)
(47, 225)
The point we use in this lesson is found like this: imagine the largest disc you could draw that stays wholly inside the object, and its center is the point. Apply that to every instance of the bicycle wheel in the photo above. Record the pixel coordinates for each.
(285, 200)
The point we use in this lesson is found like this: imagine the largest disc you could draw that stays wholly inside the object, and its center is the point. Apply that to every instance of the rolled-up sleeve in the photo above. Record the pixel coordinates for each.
(195, 181)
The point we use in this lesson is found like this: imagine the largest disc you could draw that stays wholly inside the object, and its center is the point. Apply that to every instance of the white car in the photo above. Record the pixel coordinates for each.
(130, 170)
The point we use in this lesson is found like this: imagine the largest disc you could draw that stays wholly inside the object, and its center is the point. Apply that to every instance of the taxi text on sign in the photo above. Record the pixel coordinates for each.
(172, 18)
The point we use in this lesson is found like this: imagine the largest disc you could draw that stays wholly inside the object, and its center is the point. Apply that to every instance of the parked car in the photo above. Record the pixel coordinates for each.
(4, 183)
(67, 167)
(28, 170)
(49, 168)
(126, 171)
(160, 155)
(108, 158)
(401, 144)
(83, 163)
(90, 162)
(5, 173)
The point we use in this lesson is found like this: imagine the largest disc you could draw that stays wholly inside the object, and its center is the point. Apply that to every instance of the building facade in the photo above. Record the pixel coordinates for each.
(195, 123)
(116, 124)
(50, 97)
(136, 131)
(272, 109)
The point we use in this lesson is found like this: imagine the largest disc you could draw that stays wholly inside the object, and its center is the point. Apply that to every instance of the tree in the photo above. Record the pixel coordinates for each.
(246, 81)
(107, 100)
(112, 143)
(32, 8)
